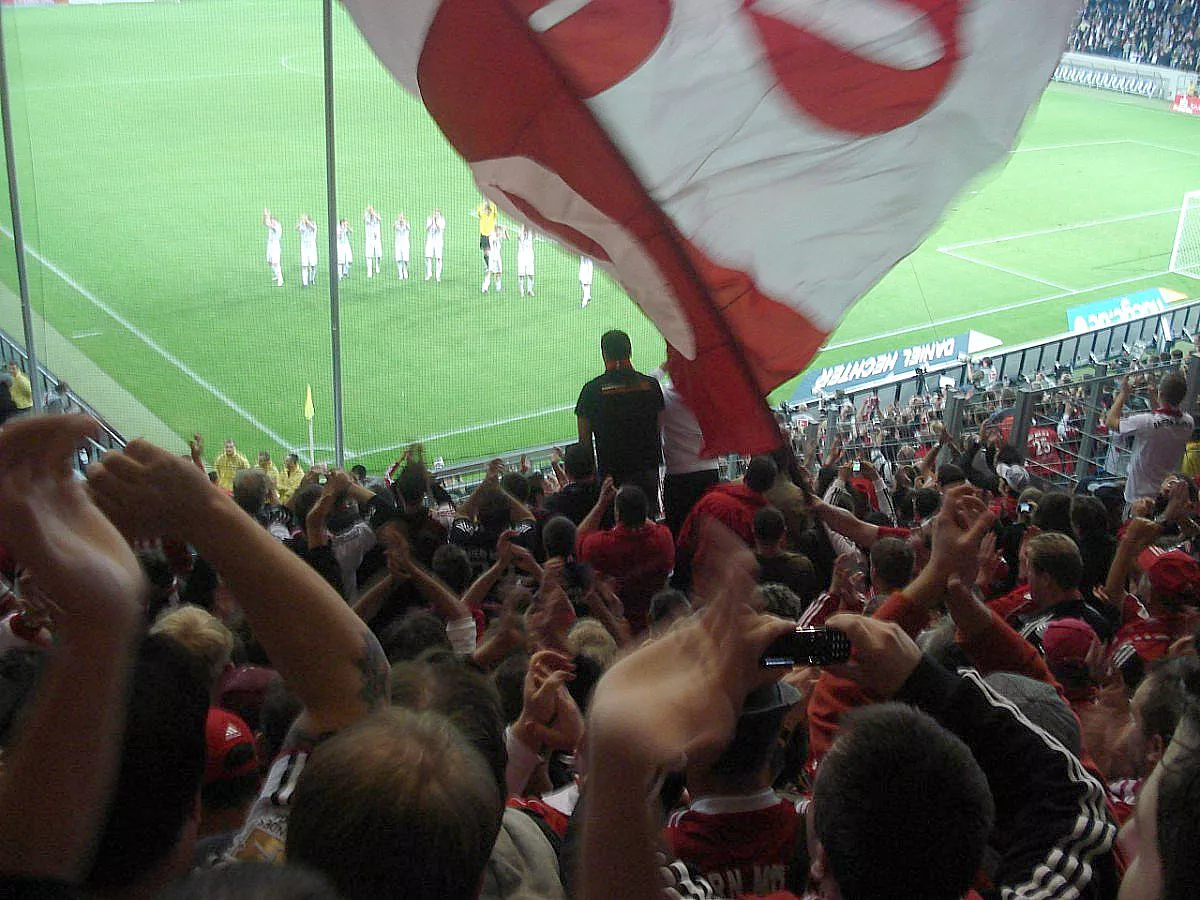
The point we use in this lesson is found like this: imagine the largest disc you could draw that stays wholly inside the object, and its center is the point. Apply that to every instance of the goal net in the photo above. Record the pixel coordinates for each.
(1185, 255)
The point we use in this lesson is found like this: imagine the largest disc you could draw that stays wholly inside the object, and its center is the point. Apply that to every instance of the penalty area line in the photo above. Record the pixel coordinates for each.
(149, 341)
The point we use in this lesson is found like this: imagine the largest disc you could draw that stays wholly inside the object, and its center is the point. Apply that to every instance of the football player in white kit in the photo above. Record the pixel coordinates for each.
(274, 239)
(585, 280)
(344, 253)
(435, 237)
(525, 260)
(402, 246)
(373, 238)
(308, 250)
(495, 267)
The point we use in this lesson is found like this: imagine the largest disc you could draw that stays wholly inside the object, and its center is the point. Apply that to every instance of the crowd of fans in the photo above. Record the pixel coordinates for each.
(1154, 32)
(225, 679)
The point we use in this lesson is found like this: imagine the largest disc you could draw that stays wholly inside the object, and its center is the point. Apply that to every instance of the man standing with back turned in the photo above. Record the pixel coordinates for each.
(622, 409)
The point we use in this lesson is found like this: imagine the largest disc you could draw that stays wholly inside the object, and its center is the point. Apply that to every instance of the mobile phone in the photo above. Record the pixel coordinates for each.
(856, 466)
(807, 647)
(1025, 507)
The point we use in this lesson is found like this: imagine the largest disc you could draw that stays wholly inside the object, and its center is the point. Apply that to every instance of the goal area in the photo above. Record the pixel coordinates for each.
(1185, 255)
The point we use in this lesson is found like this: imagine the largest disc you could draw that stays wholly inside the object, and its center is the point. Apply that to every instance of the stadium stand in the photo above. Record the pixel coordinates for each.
(226, 677)
(1155, 32)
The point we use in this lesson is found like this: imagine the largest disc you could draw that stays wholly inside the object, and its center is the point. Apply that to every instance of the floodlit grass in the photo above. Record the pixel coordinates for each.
(151, 136)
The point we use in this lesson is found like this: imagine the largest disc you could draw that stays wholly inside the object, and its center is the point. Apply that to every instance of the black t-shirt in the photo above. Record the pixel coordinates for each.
(622, 406)
(793, 570)
(575, 500)
(480, 542)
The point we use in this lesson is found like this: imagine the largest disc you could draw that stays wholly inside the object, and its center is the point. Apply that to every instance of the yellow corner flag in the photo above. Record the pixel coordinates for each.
(309, 412)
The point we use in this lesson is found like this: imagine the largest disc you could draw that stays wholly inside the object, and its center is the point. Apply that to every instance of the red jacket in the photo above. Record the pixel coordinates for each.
(640, 559)
(733, 505)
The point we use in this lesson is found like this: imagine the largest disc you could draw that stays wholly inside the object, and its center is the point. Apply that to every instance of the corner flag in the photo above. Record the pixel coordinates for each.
(309, 412)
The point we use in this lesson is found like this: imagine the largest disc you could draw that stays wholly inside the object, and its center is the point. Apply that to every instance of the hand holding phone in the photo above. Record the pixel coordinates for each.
(807, 647)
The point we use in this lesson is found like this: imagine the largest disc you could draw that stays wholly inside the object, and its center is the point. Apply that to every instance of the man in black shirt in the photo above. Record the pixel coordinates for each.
(621, 409)
(577, 497)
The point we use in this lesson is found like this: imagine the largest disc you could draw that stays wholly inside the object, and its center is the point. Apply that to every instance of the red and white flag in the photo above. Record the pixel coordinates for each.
(747, 169)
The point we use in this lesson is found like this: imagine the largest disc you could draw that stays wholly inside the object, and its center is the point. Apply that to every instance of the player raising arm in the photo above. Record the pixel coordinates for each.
(486, 213)
(344, 253)
(525, 260)
(495, 262)
(435, 238)
(585, 280)
(274, 238)
(373, 239)
(402, 246)
(308, 249)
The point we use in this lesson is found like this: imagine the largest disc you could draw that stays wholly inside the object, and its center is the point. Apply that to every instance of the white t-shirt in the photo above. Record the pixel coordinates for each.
(371, 230)
(525, 243)
(435, 225)
(344, 235)
(682, 438)
(274, 234)
(1159, 440)
(585, 270)
(308, 237)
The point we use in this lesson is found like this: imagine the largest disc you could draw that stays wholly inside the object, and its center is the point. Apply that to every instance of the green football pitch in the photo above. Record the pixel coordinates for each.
(150, 136)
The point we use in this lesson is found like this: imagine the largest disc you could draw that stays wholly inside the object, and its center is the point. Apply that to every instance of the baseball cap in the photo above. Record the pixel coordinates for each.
(778, 695)
(1171, 572)
(229, 748)
(1068, 640)
(1014, 476)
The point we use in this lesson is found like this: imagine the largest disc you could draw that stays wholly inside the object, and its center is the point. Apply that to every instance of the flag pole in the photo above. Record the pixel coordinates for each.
(309, 412)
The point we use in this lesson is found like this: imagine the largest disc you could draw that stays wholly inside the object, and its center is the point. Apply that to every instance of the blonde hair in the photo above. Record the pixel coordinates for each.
(201, 634)
(588, 637)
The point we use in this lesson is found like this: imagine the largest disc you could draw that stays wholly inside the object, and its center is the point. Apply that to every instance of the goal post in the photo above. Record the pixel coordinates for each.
(1185, 255)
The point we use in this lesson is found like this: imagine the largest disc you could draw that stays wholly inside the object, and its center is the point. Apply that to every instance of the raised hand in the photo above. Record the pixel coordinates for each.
(883, 655)
(1141, 533)
(608, 490)
(147, 492)
(76, 556)
(679, 697)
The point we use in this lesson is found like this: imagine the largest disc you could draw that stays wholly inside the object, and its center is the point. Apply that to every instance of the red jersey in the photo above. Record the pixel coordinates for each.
(742, 845)
(640, 559)
(1147, 636)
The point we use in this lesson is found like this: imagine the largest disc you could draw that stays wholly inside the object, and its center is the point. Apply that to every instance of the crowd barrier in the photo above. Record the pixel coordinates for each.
(107, 437)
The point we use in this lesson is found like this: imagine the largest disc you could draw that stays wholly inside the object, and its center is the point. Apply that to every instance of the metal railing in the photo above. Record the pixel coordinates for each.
(107, 438)
(1020, 365)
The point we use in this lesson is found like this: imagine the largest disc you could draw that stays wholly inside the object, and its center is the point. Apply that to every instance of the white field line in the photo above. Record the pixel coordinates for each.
(151, 343)
(18, 88)
(1045, 147)
(1058, 229)
(457, 431)
(1166, 147)
(995, 309)
(1005, 269)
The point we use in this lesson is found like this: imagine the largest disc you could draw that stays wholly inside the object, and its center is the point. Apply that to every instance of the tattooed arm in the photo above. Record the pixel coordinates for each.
(319, 645)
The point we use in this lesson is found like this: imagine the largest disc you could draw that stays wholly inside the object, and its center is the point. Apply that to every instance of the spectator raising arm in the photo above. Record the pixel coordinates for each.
(594, 518)
(58, 775)
(323, 650)
(672, 701)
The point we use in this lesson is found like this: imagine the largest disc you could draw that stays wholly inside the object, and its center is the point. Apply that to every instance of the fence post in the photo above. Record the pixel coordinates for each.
(952, 415)
(1193, 382)
(1019, 435)
(1091, 419)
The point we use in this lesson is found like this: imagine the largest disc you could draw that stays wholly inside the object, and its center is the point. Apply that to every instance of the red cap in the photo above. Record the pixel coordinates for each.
(1068, 640)
(229, 748)
(1171, 572)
